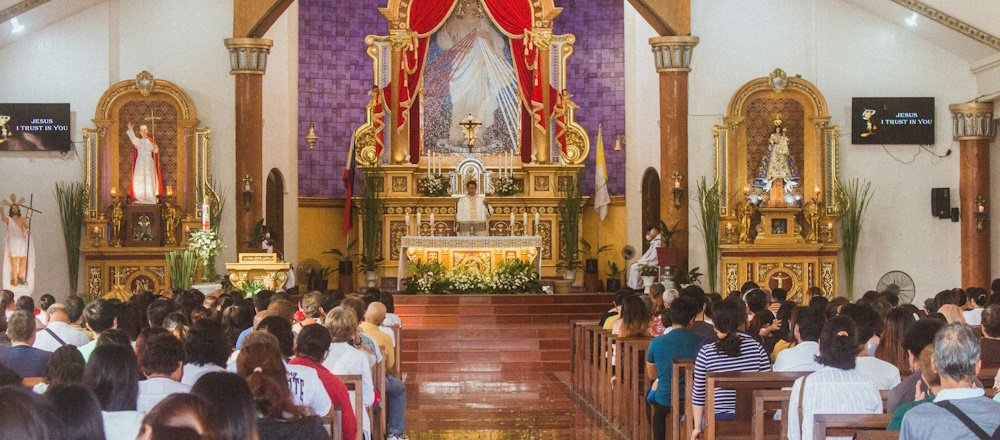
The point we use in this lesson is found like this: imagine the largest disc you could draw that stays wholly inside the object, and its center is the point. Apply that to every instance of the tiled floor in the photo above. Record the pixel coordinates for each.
(497, 406)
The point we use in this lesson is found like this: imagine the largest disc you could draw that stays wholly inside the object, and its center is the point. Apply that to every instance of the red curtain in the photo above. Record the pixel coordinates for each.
(515, 18)
(424, 17)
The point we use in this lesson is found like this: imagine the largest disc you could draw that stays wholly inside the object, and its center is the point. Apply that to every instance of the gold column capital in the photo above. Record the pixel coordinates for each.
(248, 56)
(673, 53)
(973, 121)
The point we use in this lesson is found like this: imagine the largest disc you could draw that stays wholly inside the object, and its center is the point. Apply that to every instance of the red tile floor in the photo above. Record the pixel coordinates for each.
(507, 405)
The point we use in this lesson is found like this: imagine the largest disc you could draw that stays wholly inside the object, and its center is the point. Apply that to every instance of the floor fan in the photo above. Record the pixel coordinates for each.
(897, 282)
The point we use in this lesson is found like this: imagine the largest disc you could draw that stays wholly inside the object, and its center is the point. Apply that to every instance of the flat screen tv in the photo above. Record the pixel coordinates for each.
(892, 121)
(34, 127)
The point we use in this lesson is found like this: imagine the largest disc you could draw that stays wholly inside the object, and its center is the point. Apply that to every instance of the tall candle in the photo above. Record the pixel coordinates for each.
(432, 220)
(418, 219)
(524, 219)
(429, 153)
(205, 221)
(407, 219)
(512, 219)
(536, 219)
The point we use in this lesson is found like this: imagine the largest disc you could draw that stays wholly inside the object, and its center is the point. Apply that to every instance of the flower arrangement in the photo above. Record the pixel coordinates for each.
(506, 186)
(251, 288)
(206, 245)
(648, 270)
(435, 185)
(512, 276)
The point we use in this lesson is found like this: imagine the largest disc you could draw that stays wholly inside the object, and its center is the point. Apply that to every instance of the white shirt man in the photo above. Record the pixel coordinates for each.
(649, 258)
(59, 332)
(473, 207)
(884, 374)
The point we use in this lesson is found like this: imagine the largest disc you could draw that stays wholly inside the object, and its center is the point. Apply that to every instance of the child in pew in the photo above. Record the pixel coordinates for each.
(930, 377)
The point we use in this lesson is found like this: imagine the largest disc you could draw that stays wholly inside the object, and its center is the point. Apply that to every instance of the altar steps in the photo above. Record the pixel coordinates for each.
(492, 333)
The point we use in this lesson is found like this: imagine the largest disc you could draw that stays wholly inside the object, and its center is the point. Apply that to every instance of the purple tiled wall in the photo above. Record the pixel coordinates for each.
(332, 60)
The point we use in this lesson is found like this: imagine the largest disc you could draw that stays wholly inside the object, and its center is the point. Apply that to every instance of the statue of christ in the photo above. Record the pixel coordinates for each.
(146, 183)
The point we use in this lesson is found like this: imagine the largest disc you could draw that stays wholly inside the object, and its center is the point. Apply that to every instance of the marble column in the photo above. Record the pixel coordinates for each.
(248, 61)
(974, 129)
(672, 56)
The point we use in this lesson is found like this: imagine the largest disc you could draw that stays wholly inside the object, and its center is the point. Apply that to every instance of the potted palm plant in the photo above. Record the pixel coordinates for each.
(372, 206)
(590, 255)
(570, 205)
(345, 265)
(614, 281)
(665, 254)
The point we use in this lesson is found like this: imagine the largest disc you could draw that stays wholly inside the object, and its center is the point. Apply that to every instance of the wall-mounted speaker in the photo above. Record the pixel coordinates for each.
(955, 217)
(941, 202)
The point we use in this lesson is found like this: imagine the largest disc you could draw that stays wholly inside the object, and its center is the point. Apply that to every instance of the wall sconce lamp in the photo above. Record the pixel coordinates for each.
(678, 191)
(619, 142)
(980, 212)
(311, 137)
(247, 192)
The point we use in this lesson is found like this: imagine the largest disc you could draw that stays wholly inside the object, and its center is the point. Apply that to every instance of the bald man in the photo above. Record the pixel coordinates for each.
(58, 332)
(370, 327)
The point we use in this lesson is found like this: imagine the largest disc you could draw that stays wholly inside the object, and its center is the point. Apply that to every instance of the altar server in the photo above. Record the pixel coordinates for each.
(634, 280)
(473, 207)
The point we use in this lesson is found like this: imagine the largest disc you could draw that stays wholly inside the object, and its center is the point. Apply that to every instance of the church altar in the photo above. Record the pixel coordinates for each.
(479, 253)
(447, 70)
(777, 168)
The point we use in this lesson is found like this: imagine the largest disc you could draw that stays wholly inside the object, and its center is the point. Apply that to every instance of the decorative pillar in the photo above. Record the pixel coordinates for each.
(248, 61)
(974, 129)
(672, 55)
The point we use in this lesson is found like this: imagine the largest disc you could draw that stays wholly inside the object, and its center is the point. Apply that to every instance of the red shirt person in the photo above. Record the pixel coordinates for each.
(310, 350)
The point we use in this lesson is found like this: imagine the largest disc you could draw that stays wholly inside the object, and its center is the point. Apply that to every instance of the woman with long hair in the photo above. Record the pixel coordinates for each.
(112, 373)
(279, 418)
(79, 410)
(635, 320)
(837, 388)
(181, 416)
(952, 314)
(65, 366)
(231, 395)
(890, 346)
(734, 351)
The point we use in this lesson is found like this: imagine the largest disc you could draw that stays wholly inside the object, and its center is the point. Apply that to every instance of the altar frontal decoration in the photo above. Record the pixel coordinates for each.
(511, 276)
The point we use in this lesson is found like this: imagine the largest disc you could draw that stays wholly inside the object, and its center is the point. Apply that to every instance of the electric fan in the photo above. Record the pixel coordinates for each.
(899, 283)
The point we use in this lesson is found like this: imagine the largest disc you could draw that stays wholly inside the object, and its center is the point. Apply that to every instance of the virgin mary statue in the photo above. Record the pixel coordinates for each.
(776, 171)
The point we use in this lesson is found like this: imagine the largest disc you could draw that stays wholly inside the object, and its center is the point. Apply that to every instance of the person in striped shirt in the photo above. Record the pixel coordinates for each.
(734, 351)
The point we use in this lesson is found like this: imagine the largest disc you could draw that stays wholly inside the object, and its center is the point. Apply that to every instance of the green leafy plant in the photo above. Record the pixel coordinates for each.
(325, 272)
(685, 276)
(666, 234)
(344, 255)
(72, 206)
(648, 270)
(853, 200)
(570, 205)
(181, 266)
(372, 205)
(512, 276)
(252, 288)
(708, 200)
(588, 251)
(257, 235)
(614, 272)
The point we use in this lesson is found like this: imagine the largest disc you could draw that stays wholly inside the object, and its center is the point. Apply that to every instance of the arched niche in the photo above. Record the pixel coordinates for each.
(274, 209)
(650, 203)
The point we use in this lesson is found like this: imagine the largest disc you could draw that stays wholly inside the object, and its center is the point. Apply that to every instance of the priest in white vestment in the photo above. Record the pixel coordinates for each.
(650, 258)
(473, 207)
(145, 168)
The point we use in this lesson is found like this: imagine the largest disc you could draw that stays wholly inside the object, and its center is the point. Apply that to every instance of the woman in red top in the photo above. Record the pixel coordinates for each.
(310, 351)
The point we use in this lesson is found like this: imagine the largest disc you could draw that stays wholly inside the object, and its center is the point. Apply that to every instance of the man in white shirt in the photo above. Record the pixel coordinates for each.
(802, 357)
(884, 374)
(59, 332)
(162, 362)
(473, 207)
(344, 358)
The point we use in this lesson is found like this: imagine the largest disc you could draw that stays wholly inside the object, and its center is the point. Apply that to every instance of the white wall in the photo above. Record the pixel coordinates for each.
(846, 52)
(75, 60)
(281, 113)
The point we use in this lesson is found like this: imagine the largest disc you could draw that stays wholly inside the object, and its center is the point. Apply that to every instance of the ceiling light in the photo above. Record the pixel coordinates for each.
(912, 21)
(18, 27)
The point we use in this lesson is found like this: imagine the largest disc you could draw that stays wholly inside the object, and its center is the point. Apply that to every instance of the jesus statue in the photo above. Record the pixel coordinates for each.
(473, 208)
(146, 183)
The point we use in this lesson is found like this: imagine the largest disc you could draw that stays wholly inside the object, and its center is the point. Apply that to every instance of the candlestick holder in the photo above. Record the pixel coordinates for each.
(678, 191)
(97, 234)
(828, 231)
(980, 212)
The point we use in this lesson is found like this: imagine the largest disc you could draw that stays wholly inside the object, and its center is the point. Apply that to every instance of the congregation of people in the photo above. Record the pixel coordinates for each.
(927, 359)
(197, 367)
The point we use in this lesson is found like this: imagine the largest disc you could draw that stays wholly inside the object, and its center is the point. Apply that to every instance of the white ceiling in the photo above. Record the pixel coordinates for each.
(40, 17)
(973, 12)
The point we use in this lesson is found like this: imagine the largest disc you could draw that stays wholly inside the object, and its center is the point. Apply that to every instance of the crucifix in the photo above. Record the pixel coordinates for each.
(470, 125)
(152, 120)
(780, 278)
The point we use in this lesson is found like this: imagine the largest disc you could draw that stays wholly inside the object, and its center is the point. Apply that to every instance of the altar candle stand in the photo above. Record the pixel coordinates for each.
(536, 223)
(524, 221)
(432, 224)
(407, 221)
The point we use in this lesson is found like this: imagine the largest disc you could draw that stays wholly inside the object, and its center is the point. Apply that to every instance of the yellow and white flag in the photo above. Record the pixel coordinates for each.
(601, 197)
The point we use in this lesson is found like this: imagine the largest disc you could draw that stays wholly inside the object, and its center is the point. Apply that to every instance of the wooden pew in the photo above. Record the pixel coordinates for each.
(635, 388)
(681, 367)
(354, 384)
(397, 368)
(602, 380)
(578, 350)
(778, 399)
(847, 424)
(987, 376)
(378, 418)
(618, 382)
(877, 435)
(744, 384)
(333, 422)
(591, 361)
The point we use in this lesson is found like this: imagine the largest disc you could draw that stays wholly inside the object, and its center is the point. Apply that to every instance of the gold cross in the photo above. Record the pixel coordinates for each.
(470, 125)
(780, 277)
(152, 120)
